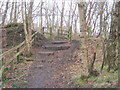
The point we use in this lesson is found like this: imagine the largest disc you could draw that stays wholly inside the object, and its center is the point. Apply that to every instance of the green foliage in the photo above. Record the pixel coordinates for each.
(21, 57)
(104, 80)
(84, 78)
(117, 62)
(80, 81)
(14, 27)
(0, 84)
(97, 46)
(0, 73)
(15, 33)
(29, 59)
(16, 85)
(92, 78)
(24, 82)
(10, 25)
(107, 79)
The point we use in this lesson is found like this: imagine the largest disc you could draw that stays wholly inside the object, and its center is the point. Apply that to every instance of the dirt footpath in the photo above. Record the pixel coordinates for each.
(50, 71)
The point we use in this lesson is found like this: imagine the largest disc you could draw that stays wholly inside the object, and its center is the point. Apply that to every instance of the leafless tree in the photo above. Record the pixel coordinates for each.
(5, 13)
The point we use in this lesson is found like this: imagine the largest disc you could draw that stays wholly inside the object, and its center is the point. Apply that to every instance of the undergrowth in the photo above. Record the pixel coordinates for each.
(104, 80)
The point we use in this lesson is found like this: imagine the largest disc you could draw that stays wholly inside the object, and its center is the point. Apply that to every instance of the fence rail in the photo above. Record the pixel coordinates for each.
(66, 34)
(10, 61)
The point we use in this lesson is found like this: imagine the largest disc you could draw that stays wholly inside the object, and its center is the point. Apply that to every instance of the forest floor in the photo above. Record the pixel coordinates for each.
(63, 69)
(52, 71)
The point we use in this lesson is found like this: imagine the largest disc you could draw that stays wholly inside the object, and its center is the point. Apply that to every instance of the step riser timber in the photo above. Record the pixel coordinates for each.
(56, 48)
(59, 42)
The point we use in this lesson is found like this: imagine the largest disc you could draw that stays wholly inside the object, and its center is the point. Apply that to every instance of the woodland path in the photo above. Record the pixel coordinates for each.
(49, 66)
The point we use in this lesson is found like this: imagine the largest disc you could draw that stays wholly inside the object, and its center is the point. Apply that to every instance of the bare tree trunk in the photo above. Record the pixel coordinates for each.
(46, 16)
(91, 72)
(118, 41)
(112, 42)
(104, 54)
(24, 15)
(11, 13)
(40, 22)
(5, 13)
(52, 22)
(69, 17)
(73, 14)
(2, 4)
(53, 17)
(30, 23)
(101, 17)
(89, 19)
(15, 12)
(27, 20)
(62, 13)
(22, 6)
(75, 29)
(104, 45)
(57, 24)
(83, 35)
(69, 25)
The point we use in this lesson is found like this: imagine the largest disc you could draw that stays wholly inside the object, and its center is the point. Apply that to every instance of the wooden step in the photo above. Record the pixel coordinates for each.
(56, 47)
(61, 37)
(46, 53)
(58, 42)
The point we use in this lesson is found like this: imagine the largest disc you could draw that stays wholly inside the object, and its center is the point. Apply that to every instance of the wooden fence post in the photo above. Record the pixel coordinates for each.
(50, 32)
(18, 56)
(70, 32)
(43, 31)
(58, 34)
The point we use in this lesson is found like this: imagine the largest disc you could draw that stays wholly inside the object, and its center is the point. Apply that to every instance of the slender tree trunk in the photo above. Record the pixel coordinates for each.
(118, 41)
(40, 22)
(62, 13)
(53, 17)
(24, 14)
(15, 12)
(91, 72)
(101, 17)
(11, 13)
(75, 29)
(46, 17)
(5, 13)
(57, 24)
(112, 42)
(22, 11)
(69, 17)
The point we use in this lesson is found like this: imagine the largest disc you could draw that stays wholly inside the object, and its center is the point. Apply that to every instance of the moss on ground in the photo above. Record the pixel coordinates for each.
(15, 35)
(104, 80)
